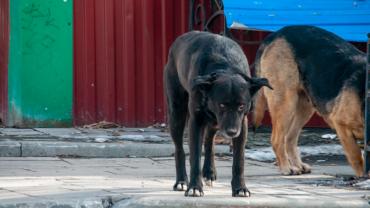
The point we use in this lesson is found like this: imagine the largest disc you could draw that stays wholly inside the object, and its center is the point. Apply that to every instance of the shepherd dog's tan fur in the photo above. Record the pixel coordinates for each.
(290, 109)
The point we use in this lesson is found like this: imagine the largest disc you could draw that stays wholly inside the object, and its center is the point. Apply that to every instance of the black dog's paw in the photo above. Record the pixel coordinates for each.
(194, 191)
(179, 185)
(238, 188)
(208, 182)
(209, 177)
(241, 192)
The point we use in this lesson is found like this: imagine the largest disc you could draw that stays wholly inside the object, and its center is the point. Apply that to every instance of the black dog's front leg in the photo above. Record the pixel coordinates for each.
(196, 129)
(209, 169)
(238, 182)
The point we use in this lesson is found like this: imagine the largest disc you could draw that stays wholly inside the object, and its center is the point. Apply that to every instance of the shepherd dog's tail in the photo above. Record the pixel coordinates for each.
(259, 108)
(259, 103)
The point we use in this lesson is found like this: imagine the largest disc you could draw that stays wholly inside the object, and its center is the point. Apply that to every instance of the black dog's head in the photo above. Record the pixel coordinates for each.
(228, 96)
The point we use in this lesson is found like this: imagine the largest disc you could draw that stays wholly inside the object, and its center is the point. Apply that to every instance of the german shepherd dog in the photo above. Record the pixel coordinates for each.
(207, 84)
(311, 70)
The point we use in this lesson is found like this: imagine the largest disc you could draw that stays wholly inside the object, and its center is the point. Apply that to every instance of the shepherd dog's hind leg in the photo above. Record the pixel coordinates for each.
(279, 66)
(282, 117)
(303, 113)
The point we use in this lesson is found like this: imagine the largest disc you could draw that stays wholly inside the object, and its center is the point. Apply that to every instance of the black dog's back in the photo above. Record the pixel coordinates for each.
(211, 52)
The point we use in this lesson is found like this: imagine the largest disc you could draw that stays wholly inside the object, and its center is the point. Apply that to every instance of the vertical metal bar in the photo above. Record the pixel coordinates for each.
(367, 112)
(191, 15)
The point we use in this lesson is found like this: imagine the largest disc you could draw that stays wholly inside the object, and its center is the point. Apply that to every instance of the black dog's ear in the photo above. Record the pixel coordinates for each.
(257, 83)
(202, 83)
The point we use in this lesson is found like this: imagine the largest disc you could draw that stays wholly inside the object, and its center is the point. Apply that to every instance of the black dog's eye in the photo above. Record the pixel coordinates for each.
(241, 107)
(222, 106)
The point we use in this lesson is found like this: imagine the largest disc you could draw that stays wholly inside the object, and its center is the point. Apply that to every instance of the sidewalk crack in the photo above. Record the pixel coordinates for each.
(64, 160)
(21, 149)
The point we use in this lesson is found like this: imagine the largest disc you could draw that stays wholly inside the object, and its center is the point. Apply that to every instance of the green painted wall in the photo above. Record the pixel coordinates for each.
(40, 63)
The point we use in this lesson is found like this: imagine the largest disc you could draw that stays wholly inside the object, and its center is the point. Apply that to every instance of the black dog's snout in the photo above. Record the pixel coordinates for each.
(231, 132)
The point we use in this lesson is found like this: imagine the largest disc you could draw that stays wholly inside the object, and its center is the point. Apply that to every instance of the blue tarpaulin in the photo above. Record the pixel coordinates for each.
(350, 19)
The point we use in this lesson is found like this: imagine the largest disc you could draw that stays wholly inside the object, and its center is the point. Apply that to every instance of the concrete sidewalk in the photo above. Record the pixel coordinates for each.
(147, 182)
(128, 167)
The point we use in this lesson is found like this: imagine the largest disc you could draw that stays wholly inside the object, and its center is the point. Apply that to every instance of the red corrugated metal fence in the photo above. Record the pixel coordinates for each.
(120, 50)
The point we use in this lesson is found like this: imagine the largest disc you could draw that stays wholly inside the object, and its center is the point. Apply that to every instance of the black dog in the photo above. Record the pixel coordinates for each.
(207, 82)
